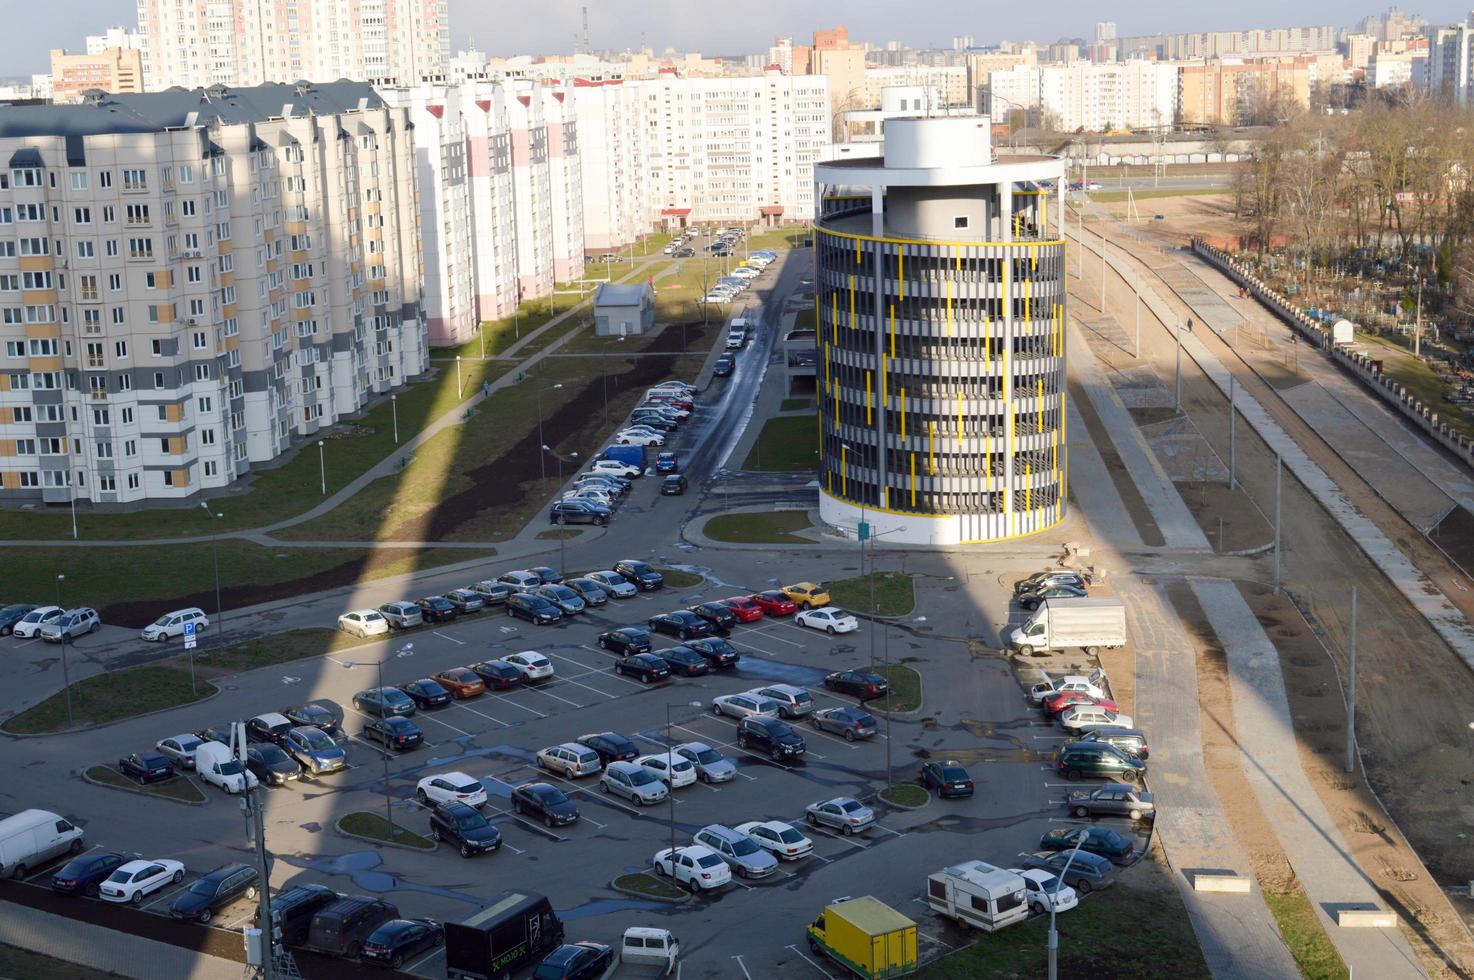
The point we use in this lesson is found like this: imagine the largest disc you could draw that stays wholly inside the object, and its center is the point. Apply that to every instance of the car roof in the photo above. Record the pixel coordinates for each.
(273, 718)
(722, 831)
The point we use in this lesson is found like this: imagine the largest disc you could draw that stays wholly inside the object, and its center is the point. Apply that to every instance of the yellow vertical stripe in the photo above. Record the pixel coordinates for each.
(903, 414)
(869, 418)
(913, 481)
(893, 330)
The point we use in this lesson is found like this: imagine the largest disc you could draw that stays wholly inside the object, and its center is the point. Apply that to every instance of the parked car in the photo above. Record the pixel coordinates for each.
(675, 770)
(437, 609)
(591, 592)
(363, 623)
(393, 733)
(70, 625)
(719, 616)
(568, 601)
(1088, 872)
(636, 436)
(534, 666)
(571, 759)
(611, 746)
(774, 603)
(743, 705)
(685, 661)
(498, 675)
(626, 640)
(451, 787)
(744, 608)
(776, 738)
(426, 693)
(1112, 800)
(644, 667)
(1128, 740)
(711, 766)
(576, 961)
(673, 485)
(315, 750)
(341, 928)
(1045, 579)
(1045, 892)
(381, 702)
(466, 600)
(293, 909)
(639, 574)
(858, 683)
(697, 867)
(617, 585)
(271, 727)
(136, 880)
(271, 765)
(173, 624)
(463, 826)
(214, 891)
(1097, 760)
(544, 801)
(179, 750)
(808, 595)
(1092, 684)
(461, 682)
(614, 466)
(850, 723)
(658, 420)
(743, 854)
(843, 813)
(779, 839)
(521, 580)
(12, 614)
(724, 366)
(29, 625)
(830, 619)
(146, 767)
(83, 874)
(578, 511)
(533, 608)
(1084, 717)
(402, 615)
(215, 765)
(793, 701)
(315, 715)
(1053, 705)
(546, 575)
(397, 940)
(717, 651)
(1032, 600)
(635, 783)
(949, 779)
(680, 623)
(493, 593)
(667, 463)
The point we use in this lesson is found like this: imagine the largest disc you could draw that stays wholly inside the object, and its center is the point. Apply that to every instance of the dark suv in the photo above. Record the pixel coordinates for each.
(1128, 740)
(1097, 760)
(639, 573)
(465, 827)
(611, 746)
(292, 910)
(626, 640)
(770, 735)
(340, 929)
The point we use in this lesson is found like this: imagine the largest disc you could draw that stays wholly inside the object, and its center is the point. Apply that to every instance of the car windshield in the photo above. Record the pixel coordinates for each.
(708, 756)
(679, 765)
(790, 836)
(471, 821)
(744, 847)
(318, 741)
(709, 860)
(399, 725)
(952, 773)
(163, 620)
(641, 778)
(1049, 883)
(852, 806)
(204, 887)
(231, 768)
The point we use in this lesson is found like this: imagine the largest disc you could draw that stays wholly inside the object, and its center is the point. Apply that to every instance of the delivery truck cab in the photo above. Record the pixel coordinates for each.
(1091, 623)
(979, 895)
(868, 937)
(516, 930)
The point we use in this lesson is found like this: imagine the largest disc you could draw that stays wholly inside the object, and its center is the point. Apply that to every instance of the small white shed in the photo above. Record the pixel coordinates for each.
(623, 310)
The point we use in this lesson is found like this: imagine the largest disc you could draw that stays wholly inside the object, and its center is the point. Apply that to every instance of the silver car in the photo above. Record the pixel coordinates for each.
(521, 580)
(711, 765)
(635, 783)
(592, 592)
(402, 615)
(566, 599)
(843, 813)
(743, 705)
(793, 702)
(744, 854)
(849, 723)
(179, 749)
(570, 758)
(615, 584)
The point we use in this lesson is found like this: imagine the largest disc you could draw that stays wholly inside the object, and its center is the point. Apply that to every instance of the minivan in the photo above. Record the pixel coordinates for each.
(649, 946)
(292, 910)
(340, 928)
(172, 624)
(33, 837)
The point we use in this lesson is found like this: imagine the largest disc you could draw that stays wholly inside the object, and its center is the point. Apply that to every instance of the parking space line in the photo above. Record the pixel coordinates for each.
(607, 798)
(898, 833)
(933, 939)
(57, 863)
(830, 735)
(739, 749)
(542, 690)
(367, 744)
(163, 893)
(517, 704)
(768, 635)
(430, 717)
(604, 671)
(809, 961)
(832, 835)
(450, 638)
(482, 714)
(570, 680)
(541, 773)
(411, 967)
(522, 821)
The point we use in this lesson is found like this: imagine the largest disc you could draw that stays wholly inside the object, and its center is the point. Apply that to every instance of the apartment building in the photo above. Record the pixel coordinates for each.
(1226, 91)
(1450, 70)
(194, 281)
(197, 43)
(1083, 95)
(109, 70)
(1222, 44)
(948, 81)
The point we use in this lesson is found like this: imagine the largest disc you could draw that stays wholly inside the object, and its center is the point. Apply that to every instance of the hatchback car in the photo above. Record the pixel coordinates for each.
(640, 574)
(400, 939)
(858, 683)
(214, 891)
(70, 625)
(173, 624)
(568, 601)
(743, 705)
(576, 961)
(1112, 800)
(1082, 718)
(466, 600)
(745, 856)
(393, 733)
(84, 873)
(808, 595)
(533, 608)
(521, 580)
(315, 750)
(781, 840)
(1087, 872)
(673, 485)
(544, 801)
(717, 651)
(615, 584)
(776, 738)
(675, 770)
(635, 783)
(402, 615)
(667, 462)
(146, 767)
(382, 702)
(316, 715)
(576, 511)
(849, 723)
(1097, 760)
(685, 661)
(30, 624)
(591, 592)
(463, 827)
(461, 682)
(498, 675)
(625, 640)
(682, 624)
(744, 608)
(843, 813)
(270, 727)
(774, 603)
(697, 867)
(426, 693)
(793, 701)
(437, 609)
(830, 619)
(646, 668)
(363, 623)
(611, 746)
(450, 787)
(271, 765)
(533, 665)
(949, 779)
(570, 759)
(715, 613)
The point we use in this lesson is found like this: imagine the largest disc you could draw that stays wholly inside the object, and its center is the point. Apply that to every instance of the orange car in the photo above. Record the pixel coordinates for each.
(463, 682)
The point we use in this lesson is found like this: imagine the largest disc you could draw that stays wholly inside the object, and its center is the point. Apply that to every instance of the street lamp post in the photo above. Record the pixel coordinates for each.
(562, 563)
(322, 466)
(219, 606)
(458, 376)
(66, 683)
(394, 409)
(670, 755)
(1054, 904)
(542, 460)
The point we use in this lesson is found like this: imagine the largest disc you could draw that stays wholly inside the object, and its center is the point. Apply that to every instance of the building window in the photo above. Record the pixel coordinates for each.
(960, 221)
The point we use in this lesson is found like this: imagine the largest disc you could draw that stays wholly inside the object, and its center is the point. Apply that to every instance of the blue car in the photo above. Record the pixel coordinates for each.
(426, 693)
(82, 875)
(384, 702)
(315, 750)
(667, 463)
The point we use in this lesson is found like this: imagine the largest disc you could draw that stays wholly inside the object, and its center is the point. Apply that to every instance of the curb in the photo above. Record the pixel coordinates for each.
(384, 843)
(903, 806)
(105, 724)
(153, 796)
(685, 897)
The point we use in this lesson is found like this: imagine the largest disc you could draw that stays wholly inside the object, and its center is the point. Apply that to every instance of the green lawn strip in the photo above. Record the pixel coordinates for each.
(787, 443)
(905, 794)
(895, 594)
(905, 684)
(777, 239)
(176, 787)
(678, 579)
(796, 404)
(648, 884)
(17, 962)
(110, 697)
(278, 648)
(805, 319)
(762, 527)
(1314, 953)
(375, 827)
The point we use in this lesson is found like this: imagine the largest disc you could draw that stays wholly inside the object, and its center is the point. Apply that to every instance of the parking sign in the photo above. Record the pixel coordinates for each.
(189, 637)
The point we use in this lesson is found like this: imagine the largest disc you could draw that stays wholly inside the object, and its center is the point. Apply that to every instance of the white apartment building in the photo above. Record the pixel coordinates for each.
(193, 281)
(672, 151)
(114, 37)
(197, 43)
(1094, 97)
(1451, 61)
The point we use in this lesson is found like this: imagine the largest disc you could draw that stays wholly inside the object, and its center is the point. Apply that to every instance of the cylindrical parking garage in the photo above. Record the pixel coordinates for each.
(940, 285)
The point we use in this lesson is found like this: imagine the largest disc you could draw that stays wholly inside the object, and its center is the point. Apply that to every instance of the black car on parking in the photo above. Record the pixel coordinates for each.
(398, 939)
(949, 779)
(576, 961)
(724, 366)
(717, 614)
(1098, 840)
(463, 826)
(546, 802)
(550, 576)
(212, 892)
(498, 674)
(776, 738)
(574, 511)
(717, 651)
(611, 746)
(12, 614)
(382, 702)
(644, 667)
(314, 715)
(681, 624)
(626, 640)
(82, 874)
(437, 609)
(146, 767)
(685, 661)
(673, 485)
(859, 683)
(426, 693)
(271, 765)
(533, 608)
(639, 573)
(293, 909)
(393, 733)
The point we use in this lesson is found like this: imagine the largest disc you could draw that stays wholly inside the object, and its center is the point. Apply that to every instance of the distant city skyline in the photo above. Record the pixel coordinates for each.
(505, 27)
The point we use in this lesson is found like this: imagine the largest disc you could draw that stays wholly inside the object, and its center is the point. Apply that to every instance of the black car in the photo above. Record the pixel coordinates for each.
(498, 674)
(949, 779)
(81, 875)
(10, 615)
(271, 728)
(644, 667)
(293, 910)
(626, 640)
(399, 939)
(383, 702)
(1032, 600)
(315, 715)
(681, 624)
(716, 614)
(212, 892)
(533, 608)
(1098, 840)
(654, 420)
(545, 801)
(862, 684)
(724, 366)
(426, 693)
(777, 738)
(611, 746)
(673, 485)
(578, 512)
(639, 573)
(437, 609)
(146, 767)
(685, 661)
(550, 576)
(271, 765)
(717, 651)
(215, 733)
(393, 733)
(685, 253)
(464, 826)
(576, 961)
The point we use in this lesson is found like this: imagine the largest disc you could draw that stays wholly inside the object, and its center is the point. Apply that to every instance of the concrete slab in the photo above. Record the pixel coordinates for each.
(1139, 387)
(1211, 308)
(1094, 493)
(1183, 452)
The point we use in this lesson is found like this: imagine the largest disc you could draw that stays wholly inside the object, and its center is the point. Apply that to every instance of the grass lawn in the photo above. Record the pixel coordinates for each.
(771, 527)
(796, 404)
(375, 827)
(17, 962)
(175, 788)
(778, 238)
(895, 595)
(278, 648)
(649, 884)
(111, 697)
(905, 794)
(1314, 953)
(787, 443)
(675, 578)
(806, 319)
(905, 692)
(1427, 387)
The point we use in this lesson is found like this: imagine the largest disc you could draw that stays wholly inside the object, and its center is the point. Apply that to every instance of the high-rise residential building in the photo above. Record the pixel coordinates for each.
(1081, 95)
(672, 151)
(1105, 30)
(949, 82)
(1262, 42)
(1229, 92)
(940, 282)
(843, 63)
(199, 280)
(110, 70)
(195, 43)
(980, 64)
(961, 42)
(114, 37)
(1451, 61)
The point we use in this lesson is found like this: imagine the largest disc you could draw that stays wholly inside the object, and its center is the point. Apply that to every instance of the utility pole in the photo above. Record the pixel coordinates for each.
(1232, 429)
(1351, 692)
(1138, 319)
(1418, 321)
(1179, 369)
(1279, 468)
(1102, 272)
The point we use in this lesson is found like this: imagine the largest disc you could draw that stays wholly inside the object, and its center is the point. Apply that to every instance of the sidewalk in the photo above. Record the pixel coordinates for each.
(107, 949)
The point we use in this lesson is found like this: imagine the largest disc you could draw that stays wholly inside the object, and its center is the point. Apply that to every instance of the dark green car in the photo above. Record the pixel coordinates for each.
(1097, 760)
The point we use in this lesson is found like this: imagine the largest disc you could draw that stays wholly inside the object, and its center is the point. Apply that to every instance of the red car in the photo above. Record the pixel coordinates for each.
(743, 608)
(1054, 704)
(774, 603)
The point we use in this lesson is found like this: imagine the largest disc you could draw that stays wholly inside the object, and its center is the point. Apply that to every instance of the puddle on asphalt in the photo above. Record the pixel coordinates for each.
(603, 906)
(360, 867)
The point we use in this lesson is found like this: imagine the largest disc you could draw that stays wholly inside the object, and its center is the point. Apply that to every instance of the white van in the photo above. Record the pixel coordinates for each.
(978, 894)
(648, 946)
(33, 837)
(216, 766)
(172, 624)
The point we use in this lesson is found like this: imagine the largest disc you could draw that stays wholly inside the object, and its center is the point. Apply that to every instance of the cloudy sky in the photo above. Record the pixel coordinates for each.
(519, 26)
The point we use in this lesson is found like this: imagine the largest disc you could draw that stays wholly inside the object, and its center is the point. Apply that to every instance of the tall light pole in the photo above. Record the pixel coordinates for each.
(66, 682)
(388, 799)
(862, 534)
(670, 756)
(541, 459)
(394, 408)
(562, 563)
(1054, 904)
(458, 376)
(322, 466)
(219, 606)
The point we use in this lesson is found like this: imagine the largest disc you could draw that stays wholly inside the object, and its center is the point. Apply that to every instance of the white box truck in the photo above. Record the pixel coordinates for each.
(978, 894)
(1089, 623)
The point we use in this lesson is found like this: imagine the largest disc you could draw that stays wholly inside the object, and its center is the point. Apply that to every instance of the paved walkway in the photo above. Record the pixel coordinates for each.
(107, 949)
(1271, 761)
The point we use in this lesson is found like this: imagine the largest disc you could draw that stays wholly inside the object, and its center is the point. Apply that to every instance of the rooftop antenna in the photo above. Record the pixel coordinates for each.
(587, 48)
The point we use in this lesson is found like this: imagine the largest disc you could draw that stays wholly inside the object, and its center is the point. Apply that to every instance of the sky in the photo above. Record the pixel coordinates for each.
(504, 27)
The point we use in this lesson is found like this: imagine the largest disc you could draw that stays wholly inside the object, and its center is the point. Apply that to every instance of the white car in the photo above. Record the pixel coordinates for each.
(830, 619)
(1072, 683)
(615, 584)
(696, 866)
(717, 298)
(451, 787)
(746, 272)
(679, 387)
(1087, 717)
(675, 770)
(744, 705)
(665, 405)
(533, 665)
(639, 437)
(30, 624)
(614, 466)
(1045, 891)
(364, 622)
(782, 840)
(172, 624)
(137, 879)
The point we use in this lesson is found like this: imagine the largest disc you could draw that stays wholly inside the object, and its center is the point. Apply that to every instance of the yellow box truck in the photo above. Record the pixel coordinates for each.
(866, 936)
